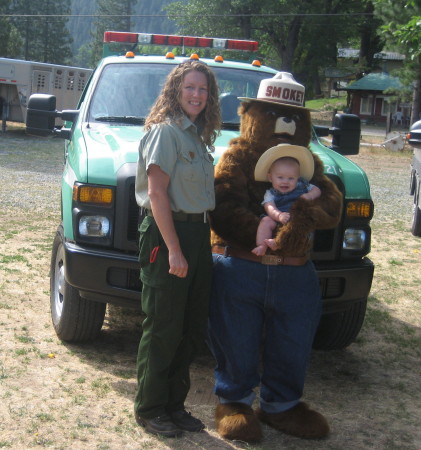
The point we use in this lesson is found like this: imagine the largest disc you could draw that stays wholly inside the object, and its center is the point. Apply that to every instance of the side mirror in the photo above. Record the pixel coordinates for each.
(346, 132)
(41, 114)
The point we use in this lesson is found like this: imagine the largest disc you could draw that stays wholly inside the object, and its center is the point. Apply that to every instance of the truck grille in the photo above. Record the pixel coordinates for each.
(133, 215)
(325, 242)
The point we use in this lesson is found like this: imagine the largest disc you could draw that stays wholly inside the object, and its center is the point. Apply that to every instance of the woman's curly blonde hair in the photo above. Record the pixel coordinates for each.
(167, 105)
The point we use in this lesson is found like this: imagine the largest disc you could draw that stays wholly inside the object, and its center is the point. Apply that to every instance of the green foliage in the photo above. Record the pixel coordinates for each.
(44, 38)
(402, 30)
(10, 40)
(301, 37)
(113, 15)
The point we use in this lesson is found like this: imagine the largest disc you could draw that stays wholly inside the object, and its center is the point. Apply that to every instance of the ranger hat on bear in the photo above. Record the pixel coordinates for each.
(301, 154)
(281, 89)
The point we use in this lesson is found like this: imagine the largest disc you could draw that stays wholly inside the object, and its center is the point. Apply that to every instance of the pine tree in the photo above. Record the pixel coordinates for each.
(42, 25)
(113, 15)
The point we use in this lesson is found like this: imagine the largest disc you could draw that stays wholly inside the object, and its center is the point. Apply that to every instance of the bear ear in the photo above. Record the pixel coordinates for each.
(244, 107)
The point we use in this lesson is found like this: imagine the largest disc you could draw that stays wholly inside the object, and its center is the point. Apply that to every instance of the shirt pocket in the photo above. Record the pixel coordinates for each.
(189, 165)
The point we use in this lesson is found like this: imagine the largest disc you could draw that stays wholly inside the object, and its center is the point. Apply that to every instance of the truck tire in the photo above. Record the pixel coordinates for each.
(416, 221)
(339, 330)
(75, 319)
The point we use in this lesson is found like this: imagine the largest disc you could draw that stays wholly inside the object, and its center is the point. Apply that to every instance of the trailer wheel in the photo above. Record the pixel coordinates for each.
(416, 221)
(339, 330)
(75, 319)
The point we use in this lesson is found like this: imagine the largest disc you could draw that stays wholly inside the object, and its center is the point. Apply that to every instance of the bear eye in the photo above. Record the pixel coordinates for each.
(271, 113)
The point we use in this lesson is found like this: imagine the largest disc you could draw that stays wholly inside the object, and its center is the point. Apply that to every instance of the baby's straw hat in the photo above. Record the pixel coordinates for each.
(301, 154)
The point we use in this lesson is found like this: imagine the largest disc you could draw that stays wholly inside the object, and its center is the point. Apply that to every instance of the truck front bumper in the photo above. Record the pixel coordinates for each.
(343, 283)
(113, 277)
(103, 275)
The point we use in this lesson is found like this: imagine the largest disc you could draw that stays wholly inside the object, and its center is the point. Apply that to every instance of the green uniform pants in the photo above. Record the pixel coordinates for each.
(176, 312)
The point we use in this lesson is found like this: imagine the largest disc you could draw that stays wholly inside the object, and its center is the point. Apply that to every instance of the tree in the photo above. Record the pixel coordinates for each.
(45, 38)
(296, 36)
(112, 15)
(402, 30)
(9, 36)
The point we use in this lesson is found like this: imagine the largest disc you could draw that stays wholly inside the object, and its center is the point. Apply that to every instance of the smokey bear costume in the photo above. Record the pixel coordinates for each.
(265, 309)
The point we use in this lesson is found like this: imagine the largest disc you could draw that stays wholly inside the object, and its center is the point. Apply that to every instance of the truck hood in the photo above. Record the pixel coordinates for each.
(109, 148)
(343, 171)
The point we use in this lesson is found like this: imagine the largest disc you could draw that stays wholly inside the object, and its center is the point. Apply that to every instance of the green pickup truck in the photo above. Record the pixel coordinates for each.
(94, 257)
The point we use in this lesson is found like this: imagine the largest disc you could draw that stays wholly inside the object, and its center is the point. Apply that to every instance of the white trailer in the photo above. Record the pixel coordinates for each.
(19, 79)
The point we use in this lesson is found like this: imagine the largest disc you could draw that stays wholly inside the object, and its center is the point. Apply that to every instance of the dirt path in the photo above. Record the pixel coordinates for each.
(62, 396)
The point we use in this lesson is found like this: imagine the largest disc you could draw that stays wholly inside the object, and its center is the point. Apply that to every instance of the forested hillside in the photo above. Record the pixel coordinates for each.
(80, 27)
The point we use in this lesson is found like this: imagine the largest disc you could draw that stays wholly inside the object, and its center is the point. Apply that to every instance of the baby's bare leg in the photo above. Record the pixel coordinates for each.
(264, 231)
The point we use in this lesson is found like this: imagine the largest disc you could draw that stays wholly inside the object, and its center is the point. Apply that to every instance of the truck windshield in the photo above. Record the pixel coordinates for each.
(125, 92)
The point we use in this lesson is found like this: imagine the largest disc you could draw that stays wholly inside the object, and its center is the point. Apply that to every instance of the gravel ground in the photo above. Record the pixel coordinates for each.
(61, 396)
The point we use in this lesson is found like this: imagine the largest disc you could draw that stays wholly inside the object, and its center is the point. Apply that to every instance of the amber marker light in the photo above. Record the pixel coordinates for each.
(359, 209)
(93, 194)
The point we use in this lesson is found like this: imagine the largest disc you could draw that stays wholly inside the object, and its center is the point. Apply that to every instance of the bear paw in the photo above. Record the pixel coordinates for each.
(237, 421)
(299, 421)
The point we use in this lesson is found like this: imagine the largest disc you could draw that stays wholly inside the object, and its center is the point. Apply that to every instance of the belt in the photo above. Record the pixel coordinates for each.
(184, 217)
(269, 260)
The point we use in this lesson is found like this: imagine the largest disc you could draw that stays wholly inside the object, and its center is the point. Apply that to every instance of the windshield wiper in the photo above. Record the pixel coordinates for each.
(121, 119)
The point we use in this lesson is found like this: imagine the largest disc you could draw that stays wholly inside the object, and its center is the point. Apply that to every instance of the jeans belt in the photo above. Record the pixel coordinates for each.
(185, 217)
(269, 260)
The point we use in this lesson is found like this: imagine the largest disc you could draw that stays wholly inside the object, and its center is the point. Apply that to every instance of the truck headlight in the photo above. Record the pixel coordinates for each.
(354, 239)
(94, 226)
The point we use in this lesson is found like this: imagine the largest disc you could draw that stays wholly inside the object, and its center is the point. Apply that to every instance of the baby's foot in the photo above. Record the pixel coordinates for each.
(260, 250)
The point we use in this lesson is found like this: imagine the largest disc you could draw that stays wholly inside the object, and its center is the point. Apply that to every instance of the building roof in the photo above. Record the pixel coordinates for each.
(355, 53)
(374, 82)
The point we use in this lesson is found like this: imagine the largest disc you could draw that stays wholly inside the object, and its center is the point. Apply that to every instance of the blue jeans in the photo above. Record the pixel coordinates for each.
(262, 314)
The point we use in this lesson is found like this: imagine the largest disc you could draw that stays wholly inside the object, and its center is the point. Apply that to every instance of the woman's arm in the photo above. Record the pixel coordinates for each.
(158, 182)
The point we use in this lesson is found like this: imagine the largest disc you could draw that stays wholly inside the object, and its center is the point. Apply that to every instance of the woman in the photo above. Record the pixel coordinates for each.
(174, 184)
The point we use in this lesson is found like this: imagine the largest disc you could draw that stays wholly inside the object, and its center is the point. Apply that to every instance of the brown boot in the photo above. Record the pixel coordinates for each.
(299, 421)
(237, 421)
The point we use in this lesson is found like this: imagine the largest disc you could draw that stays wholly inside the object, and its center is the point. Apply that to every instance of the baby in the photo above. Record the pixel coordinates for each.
(289, 168)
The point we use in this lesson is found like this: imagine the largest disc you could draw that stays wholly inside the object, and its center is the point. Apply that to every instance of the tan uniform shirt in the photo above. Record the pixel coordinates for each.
(181, 154)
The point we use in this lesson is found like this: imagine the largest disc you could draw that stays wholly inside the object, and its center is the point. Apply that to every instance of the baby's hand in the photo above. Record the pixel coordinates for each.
(307, 196)
(260, 250)
(271, 244)
(283, 218)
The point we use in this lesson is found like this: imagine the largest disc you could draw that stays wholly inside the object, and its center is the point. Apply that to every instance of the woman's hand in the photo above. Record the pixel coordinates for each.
(158, 182)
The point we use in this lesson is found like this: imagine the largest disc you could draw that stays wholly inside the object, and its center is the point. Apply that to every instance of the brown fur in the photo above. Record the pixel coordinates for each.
(237, 421)
(238, 196)
(299, 421)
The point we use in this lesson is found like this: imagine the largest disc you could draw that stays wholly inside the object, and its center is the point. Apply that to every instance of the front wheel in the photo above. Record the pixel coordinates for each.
(75, 319)
(339, 330)
(416, 222)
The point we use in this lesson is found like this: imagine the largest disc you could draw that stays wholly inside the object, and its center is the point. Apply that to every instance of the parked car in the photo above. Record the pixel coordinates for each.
(415, 183)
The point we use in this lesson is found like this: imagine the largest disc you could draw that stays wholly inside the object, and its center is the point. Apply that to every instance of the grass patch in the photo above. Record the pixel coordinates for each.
(327, 104)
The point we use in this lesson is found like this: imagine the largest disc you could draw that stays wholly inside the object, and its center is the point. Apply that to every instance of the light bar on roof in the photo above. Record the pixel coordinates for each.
(179, 41)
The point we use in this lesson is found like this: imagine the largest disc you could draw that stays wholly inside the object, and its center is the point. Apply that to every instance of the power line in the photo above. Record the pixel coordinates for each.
(194, 15)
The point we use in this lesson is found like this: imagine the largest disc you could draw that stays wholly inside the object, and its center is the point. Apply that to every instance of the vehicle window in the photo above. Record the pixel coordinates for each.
(234, 83)
(129, 90)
